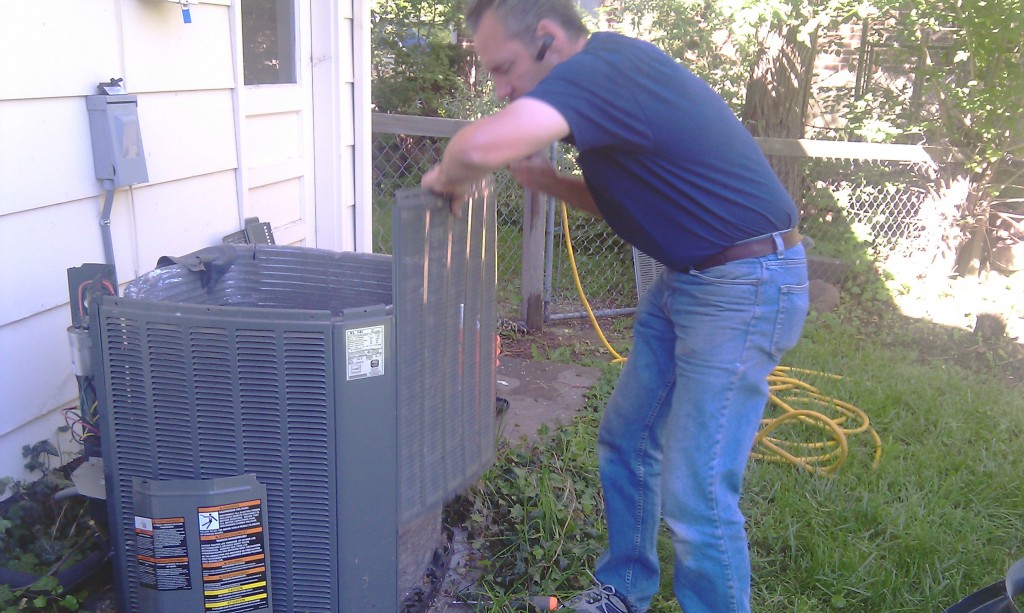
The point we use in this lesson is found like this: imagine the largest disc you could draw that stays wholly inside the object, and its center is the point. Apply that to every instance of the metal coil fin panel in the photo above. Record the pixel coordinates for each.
(446, 321)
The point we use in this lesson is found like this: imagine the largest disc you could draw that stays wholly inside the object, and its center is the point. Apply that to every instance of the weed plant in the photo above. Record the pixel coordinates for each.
(939, 518)
(41, 536)
(537, 513)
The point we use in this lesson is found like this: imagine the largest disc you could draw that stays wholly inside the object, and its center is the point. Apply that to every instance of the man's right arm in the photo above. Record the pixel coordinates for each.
(523, 127)
(536, 173)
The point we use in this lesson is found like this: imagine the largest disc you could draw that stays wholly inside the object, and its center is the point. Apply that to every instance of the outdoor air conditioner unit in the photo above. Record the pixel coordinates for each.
(646, 270)
(312, 406)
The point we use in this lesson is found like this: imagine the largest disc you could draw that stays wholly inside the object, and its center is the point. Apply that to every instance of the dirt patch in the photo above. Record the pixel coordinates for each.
(540, 393)
(570, 340)
(1001, 357)
(975, 322)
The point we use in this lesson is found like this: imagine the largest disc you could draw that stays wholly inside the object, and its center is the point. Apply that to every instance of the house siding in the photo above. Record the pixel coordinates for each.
(52, 55)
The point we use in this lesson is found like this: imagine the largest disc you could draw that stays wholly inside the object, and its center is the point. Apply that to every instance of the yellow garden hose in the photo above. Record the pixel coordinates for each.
(802, 403)
(798, 403)
(579, 288)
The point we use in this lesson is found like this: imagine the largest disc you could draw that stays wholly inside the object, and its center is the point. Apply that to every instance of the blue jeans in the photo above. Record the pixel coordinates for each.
(679, 427)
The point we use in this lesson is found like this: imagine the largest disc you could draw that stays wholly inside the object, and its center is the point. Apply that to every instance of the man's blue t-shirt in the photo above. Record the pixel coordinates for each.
(670, 167)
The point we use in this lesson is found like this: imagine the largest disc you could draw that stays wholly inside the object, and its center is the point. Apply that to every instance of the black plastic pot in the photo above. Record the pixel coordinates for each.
(996, 598)
(69, 578)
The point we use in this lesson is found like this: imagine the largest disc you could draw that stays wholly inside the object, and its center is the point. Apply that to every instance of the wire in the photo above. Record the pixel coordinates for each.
(68, 413)
(75, 423)
(796, 400)
(87, 390)
(107, 285)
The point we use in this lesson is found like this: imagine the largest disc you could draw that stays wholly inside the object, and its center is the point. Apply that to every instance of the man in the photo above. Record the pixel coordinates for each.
(671, 170)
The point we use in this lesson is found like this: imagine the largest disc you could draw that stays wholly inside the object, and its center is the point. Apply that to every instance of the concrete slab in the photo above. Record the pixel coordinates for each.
(540, 393)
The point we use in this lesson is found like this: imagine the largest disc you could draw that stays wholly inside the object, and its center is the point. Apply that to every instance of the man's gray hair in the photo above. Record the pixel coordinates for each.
(520, 17)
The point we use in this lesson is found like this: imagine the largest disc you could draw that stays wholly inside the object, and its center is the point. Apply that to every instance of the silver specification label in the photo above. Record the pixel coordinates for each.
(364, 352)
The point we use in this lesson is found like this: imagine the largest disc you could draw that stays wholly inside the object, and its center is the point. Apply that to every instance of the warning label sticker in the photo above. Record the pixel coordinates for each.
(233, 549)
(162, 553)
(364, 352)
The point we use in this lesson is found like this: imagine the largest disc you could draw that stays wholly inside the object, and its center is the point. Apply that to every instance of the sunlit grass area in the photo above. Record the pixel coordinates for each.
(939, 518)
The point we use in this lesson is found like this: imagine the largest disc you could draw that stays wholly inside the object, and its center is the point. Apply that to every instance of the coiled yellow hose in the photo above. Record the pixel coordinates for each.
(791, 397)
(802, 402)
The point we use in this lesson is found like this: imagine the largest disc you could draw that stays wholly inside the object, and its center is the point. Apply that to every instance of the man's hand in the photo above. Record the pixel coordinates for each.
(535, 173)
(433, 181)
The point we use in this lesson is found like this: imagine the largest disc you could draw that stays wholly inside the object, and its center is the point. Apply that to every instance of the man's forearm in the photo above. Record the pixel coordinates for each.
(458, 166)
(573, 190)
(520, 129)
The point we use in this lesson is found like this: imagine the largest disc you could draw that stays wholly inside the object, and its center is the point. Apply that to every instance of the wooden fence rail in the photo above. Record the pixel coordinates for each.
(532, 280)
(411, 125)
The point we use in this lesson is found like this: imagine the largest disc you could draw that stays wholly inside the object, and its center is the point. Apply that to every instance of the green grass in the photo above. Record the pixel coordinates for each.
(942, 516)
(538, 513)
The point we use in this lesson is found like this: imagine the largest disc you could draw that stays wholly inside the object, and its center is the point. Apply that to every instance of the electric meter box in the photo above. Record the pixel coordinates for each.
(117, 139)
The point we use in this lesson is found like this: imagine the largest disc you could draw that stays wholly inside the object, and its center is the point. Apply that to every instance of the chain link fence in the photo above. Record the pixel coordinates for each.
(877, 205)
(399, 161)
(881, 201)
(603, 260)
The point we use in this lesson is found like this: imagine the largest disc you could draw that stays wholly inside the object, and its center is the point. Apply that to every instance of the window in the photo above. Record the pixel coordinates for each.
(268, 41)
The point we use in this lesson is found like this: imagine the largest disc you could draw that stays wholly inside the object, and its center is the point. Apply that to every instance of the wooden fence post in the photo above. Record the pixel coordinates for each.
(532, 283)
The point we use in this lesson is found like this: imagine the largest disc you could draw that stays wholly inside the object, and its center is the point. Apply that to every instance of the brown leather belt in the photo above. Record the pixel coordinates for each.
(750, 249)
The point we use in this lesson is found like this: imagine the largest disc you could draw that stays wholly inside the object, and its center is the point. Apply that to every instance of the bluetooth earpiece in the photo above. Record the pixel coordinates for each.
(545, 44)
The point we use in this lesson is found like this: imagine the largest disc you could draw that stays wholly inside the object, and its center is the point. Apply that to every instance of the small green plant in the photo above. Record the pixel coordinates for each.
(562, 353)
(39, 455)
(41, 536)
(538, 514)
(46, 594)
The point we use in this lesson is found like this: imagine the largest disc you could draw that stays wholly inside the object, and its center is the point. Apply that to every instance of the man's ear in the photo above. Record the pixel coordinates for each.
(545, 43)
(550, 34)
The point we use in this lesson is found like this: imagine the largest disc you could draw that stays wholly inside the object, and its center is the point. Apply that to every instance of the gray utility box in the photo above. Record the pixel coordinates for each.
(358, 389)
(117, 139)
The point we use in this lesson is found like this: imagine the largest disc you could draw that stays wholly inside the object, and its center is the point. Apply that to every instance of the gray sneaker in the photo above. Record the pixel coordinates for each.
(598, 599)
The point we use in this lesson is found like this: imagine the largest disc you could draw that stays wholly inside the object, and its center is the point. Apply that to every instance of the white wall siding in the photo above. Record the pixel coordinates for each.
(50, 199)
(164, 54)
(36, 376)
(180, 217)
(205, 158)
(45, 153)
(58, 47)
(39, 245)
(187, 134)
(52, 55)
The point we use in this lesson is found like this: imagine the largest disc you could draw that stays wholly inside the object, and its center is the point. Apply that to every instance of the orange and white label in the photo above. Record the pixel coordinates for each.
(162, 553)
(233, 550)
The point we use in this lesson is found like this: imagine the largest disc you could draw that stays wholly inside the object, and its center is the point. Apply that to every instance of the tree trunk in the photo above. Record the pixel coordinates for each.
(974, 254)
(777, 95)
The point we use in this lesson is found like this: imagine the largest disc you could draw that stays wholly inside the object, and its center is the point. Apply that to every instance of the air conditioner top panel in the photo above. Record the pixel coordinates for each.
(269, 276)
